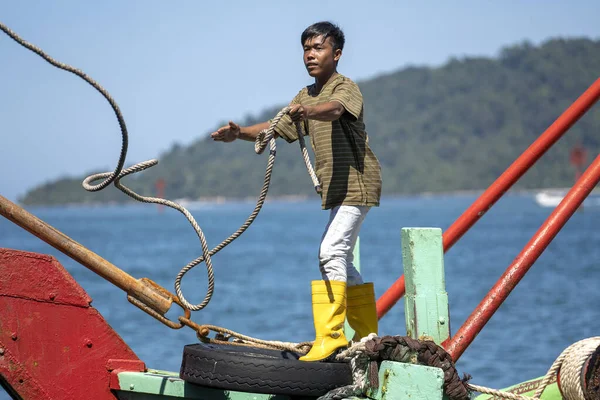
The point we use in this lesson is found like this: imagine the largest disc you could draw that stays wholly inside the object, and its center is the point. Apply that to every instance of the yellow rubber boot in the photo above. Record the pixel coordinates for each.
(362, 310)
(329, 315)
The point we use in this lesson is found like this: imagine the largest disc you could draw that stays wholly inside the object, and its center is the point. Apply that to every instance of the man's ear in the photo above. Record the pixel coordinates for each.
(337, 54)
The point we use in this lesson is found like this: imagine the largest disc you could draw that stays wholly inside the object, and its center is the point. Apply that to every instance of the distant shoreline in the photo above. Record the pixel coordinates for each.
(215, 200)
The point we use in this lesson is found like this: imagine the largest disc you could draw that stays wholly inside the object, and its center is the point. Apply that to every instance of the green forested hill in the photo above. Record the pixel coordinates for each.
(454, 127)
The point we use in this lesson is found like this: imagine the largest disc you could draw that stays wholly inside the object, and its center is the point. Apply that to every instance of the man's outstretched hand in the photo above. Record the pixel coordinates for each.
(227, 133)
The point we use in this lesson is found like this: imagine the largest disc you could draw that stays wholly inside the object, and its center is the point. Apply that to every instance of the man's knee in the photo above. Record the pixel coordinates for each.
(329, 254)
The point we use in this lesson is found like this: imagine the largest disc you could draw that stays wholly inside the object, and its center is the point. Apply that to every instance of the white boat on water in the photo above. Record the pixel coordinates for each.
(549, 199)
(552, 198)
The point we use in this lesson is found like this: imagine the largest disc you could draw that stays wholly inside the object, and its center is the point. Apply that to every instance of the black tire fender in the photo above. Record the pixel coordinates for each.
(256, 370)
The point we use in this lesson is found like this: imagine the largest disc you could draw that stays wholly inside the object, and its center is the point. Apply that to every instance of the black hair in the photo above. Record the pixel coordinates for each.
(327, 29)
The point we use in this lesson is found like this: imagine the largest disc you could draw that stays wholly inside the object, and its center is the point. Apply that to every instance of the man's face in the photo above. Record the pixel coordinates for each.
(319, 57)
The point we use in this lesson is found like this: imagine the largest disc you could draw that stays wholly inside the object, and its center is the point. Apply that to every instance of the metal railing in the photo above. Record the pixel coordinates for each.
(584, 185)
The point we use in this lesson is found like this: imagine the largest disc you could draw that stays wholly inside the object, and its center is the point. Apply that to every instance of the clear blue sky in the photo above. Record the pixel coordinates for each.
(176, 69)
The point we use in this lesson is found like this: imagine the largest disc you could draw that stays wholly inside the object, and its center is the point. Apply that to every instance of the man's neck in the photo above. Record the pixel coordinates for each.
(322, 81)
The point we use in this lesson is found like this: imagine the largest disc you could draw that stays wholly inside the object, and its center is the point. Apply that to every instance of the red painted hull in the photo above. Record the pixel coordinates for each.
(53, 343)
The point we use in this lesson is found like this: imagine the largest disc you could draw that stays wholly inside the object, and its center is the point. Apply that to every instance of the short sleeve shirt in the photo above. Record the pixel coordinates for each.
(347, 168)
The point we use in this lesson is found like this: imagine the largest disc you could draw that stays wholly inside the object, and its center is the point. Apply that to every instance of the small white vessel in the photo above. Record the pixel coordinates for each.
(552, 198)
(549, 198)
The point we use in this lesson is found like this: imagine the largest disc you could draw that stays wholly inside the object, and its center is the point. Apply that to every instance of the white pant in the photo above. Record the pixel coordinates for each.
(337, 244)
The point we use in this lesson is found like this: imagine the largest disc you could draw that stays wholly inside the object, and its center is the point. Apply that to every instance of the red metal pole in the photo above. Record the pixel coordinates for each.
(502, 184)
(519, 267)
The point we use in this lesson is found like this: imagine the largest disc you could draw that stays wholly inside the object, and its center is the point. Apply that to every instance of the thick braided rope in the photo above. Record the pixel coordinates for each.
(155, 200)
(115, 176)
(306, 158)
(119, 173)
(259, 147)
(224, 335)
(356, 355)
(264, 137)
(260, 144)
(499, 393)
(110, 177)
(570, 363)
(370, 351)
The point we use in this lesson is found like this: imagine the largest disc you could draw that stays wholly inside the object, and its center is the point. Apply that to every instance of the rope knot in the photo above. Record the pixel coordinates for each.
(366, 357)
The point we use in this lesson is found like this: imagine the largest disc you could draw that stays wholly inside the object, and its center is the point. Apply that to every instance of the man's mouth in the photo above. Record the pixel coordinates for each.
(312, 65)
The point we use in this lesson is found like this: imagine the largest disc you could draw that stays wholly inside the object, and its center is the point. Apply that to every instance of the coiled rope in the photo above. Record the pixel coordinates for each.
(570, 363)
(265, 136)
(110, 177)
(364, 357)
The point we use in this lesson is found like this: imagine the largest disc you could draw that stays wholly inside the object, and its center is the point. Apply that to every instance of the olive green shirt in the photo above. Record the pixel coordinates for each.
(347, 169)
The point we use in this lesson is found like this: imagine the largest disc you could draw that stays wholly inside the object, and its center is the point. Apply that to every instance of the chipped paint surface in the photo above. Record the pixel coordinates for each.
(400, 381)
(46, 325)
(426, 302)
(156, 384)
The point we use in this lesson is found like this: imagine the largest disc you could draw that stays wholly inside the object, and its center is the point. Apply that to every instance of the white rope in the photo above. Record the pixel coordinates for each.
(570, 364)
(306, 158)
(119, 173)
(359, 361)
(264, 137)
(110, 177)
(571, 371)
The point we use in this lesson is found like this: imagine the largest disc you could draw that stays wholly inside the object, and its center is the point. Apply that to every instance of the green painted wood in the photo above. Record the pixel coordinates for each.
(164, 385)
(426, 300)
(528, 388)
(348, 331)
(400, 381)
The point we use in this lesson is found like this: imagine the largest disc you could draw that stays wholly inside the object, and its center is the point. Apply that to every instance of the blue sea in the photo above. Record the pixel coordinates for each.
(262, 280)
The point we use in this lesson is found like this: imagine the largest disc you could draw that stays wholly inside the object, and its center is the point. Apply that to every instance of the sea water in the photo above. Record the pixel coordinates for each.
(262, 279)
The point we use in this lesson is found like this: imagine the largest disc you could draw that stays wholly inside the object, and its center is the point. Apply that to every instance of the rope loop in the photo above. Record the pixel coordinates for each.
(111, 176)
(115, 176)
(570, 363)
(366, 356)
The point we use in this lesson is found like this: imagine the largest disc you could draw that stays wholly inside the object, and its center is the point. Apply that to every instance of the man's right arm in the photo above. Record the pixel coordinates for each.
(233, 131)
(285, 128)
(250, 133)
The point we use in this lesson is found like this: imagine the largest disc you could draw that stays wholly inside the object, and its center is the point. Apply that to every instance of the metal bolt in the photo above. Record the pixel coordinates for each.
(89, 343)
(52, 296)
(1, 352)
(13, 336)
(131, 386)
(442, 320)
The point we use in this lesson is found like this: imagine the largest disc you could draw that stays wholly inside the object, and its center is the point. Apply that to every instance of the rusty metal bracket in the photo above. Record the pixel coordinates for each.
(154, 313)
(143, 293)
(202, 331)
